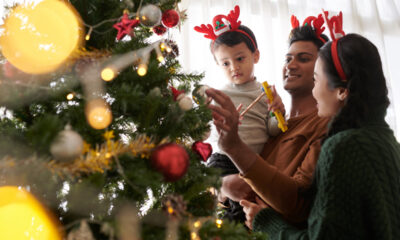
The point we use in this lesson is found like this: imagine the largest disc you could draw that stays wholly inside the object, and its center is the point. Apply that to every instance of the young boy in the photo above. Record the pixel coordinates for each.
(235, 50)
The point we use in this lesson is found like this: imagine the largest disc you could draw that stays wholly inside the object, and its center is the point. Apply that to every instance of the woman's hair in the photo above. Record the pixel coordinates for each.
(306, 33)
(233, 38)
(367, 92)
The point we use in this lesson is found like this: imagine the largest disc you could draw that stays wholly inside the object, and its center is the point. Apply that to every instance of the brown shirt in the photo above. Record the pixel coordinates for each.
(287, 164)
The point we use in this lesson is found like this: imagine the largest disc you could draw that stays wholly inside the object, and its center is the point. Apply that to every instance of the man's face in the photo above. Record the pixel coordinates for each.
(298, 70)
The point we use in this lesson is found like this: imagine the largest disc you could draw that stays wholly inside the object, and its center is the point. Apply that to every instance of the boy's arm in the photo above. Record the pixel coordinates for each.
(235, 188)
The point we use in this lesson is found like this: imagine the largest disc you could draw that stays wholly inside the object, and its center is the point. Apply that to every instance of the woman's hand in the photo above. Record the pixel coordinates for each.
(226, 120)
(251, 209)
(277, 103)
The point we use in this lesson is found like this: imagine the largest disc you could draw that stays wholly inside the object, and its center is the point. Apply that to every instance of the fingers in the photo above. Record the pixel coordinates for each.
(277, 103)
(260, 202)
(247, 210)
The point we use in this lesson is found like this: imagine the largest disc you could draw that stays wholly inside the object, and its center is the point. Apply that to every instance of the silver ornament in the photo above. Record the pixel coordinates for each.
(150, 15)
(67, 146)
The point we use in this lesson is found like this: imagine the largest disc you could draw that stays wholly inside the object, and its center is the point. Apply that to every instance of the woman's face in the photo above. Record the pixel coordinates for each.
(329, 101)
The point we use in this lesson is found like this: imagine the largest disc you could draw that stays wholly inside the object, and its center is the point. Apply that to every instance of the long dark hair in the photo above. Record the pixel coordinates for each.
(368, 95)
(233, 38)
(306, 33)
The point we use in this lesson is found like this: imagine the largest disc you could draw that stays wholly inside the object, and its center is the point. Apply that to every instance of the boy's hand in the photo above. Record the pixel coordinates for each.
(277, 103)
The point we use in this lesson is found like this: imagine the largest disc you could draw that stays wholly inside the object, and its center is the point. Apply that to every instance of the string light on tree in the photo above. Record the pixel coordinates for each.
(160, 57)
(219, 223)
(70, 96)
(119, 63)
(98, 114)
(87, 37)
(108, 74)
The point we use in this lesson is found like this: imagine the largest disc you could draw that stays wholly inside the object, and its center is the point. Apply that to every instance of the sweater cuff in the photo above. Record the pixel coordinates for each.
(269, 221)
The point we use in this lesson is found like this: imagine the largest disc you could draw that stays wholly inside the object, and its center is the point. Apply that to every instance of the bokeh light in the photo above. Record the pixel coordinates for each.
(22, 217)
(39, 38)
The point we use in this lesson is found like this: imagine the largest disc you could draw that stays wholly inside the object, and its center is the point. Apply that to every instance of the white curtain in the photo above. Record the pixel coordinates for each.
(378, 20)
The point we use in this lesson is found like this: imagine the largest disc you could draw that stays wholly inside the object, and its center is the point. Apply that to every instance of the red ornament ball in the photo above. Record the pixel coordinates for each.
(159, 30)
(170, 18)
(171, 160)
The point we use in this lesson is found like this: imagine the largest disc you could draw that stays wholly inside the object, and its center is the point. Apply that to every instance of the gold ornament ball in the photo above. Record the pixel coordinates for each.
(98, 114)
(67, 146)
(150, 15)
(39, 38)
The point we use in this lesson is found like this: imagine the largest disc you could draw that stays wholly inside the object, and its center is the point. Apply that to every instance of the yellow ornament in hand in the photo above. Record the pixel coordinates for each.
(39, 38)
(22, 217)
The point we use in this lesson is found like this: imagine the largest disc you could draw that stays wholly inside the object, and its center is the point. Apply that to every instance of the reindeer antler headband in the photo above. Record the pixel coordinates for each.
(222, 24)
(315, 22)
(336, 29)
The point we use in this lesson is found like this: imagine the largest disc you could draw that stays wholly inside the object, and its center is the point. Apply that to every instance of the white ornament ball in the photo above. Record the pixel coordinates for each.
(150, 15)
(184, 102)
(67, 146)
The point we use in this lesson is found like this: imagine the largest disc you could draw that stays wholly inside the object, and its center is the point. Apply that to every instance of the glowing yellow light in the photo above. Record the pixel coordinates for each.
(70, 96)
(39, 38)
(218, 222)
(160, 58)
(162, 46)
(193, 235)
(107, 74)
(197, 224)
(108, 155)
(142, 69)
(170, 210)
(144, 18)
(23, 217)
(168, 49)
(98, 114)
(87, 37)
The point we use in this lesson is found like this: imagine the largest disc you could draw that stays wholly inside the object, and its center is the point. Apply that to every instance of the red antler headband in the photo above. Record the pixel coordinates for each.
(315, 22)
(221, 24)
(336, 29)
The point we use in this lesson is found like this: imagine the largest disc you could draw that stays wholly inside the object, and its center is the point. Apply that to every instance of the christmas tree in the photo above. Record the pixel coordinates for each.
(98, 125)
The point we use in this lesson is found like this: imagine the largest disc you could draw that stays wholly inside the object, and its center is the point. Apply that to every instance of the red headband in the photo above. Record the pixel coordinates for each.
(315, 22)
(221, 24)
(336, 29)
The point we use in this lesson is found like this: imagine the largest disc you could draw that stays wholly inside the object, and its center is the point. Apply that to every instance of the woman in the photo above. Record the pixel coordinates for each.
(357, 178)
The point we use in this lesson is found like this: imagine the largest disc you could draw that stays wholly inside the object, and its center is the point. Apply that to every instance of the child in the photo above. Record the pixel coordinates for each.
(235, 50)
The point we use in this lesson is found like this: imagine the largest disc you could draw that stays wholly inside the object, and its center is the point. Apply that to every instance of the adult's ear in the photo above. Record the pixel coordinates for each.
(342, 93)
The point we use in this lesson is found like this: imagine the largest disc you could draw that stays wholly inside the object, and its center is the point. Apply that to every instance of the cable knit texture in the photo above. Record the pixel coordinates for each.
(357, 184)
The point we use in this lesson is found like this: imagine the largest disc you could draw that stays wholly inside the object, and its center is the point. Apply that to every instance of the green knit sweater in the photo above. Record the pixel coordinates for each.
(357, 196)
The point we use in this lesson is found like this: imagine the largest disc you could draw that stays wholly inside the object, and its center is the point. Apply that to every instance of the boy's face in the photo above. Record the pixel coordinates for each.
(237, 62)
(298, 70)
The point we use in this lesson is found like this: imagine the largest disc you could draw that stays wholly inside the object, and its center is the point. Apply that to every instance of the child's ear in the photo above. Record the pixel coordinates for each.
(256, 55)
